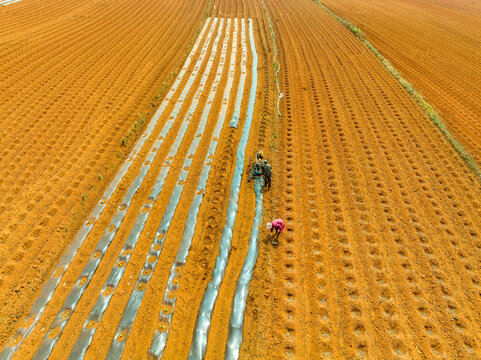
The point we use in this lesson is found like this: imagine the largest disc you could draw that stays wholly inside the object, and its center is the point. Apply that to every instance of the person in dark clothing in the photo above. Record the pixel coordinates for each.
(267, 173)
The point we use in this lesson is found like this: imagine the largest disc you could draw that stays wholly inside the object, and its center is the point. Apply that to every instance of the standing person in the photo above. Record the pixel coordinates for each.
(277, 225)
(267, 172)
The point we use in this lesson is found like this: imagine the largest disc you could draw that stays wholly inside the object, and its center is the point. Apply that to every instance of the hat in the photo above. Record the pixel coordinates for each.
(269, 225)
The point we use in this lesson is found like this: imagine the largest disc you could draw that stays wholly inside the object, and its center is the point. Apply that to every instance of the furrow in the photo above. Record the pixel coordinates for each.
(236, 322)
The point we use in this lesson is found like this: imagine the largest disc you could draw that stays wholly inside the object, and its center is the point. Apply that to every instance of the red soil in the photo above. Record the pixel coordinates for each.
(379, 258)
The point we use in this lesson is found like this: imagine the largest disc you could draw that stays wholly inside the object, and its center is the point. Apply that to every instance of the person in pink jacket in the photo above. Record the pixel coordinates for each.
(277, 225)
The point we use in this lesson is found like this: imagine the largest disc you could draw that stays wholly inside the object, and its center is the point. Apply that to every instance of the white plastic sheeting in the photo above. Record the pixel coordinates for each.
(48, 289)
(89, 269)
(160, 337)
(202, 326)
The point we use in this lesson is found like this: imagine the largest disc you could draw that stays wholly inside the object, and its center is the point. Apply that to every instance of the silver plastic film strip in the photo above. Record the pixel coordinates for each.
(202, 326)
(90, 325)
(234, 121)
(50, 286)
(89, 269)
(236, 323)
(150, 264)
(162, 332)
(8, 2)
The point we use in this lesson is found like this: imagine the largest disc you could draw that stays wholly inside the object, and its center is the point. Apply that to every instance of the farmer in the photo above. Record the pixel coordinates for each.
(277, 225)
(267, 173)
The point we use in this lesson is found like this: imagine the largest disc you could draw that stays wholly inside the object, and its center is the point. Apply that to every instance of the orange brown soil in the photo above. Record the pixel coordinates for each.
(380, 256)
(73, 79)
(197, 272)
(471, 7)
(436, 47)
(379, 259)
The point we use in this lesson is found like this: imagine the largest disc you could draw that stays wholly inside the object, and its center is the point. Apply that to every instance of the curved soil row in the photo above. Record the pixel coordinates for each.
(469, 7)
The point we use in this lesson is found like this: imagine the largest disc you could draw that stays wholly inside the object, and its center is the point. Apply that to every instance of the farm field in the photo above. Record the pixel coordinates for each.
(136, 251)
(436, 46)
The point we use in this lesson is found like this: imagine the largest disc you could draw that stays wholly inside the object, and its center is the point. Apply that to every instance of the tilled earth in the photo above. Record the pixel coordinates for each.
(379, 258)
